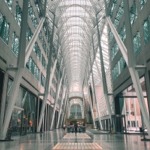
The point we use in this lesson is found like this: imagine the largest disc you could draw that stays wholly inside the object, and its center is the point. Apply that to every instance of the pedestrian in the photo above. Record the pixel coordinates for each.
(75, 128)
(64, 127)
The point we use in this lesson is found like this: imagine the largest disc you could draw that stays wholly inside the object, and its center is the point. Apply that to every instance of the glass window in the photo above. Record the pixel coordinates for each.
(133, 13)
(43, 62)
(33, 68)
(122, 64)
(4, 29)
(40, 36)
(1, 20)
(115, 71)
(32, 15)
(123, 33)
(137, 42)
(44, 46)
(120, 13)
(113, 7)
(35, 22)
(15, 44)
(9, 3)
(28, 34)
(110, 36)
(36, 72)
(142, 2)
(114, 50)
(37, 50)
(146, 28)
(116, 22)
(18, 14)
(42, 80)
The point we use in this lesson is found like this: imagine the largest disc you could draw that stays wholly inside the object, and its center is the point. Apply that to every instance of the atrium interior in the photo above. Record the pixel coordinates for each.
(74, 74)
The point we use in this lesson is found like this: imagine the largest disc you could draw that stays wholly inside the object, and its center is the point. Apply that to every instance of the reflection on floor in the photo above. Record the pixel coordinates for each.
(78, 136)
(50, 140)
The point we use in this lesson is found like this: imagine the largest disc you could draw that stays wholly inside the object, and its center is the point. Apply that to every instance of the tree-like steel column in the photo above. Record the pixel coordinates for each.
(49, 78)
(133, 73)
(64, 110)
(90, 103)
(96, 101)
(60, 110)
(57, 97)
(103, 75)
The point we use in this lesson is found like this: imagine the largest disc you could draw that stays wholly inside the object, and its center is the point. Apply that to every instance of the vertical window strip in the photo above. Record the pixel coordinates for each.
(18, 14)
(146, 30)
(15, 44)
(4, 29)
(9, 3)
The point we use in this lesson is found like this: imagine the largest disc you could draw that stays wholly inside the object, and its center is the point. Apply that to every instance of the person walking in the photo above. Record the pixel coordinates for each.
(75, 128)
(64, 127)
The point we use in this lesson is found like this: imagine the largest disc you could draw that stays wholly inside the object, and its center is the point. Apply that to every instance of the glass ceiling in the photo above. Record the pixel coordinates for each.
(76, 29)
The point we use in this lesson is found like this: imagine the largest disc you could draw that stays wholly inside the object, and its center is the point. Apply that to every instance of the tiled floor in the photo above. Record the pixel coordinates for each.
(77, 146)
(49, 141)
(78, 136)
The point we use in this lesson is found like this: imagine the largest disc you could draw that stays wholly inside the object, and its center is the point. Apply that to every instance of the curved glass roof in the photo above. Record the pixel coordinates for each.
(75, 21)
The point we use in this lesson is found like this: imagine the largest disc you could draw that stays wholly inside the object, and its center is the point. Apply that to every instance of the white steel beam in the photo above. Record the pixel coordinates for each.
(96, 101)
(90, 103)
(103, 75)
(60, 110)
(57, 97)
(49, 78)
(64, 109)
